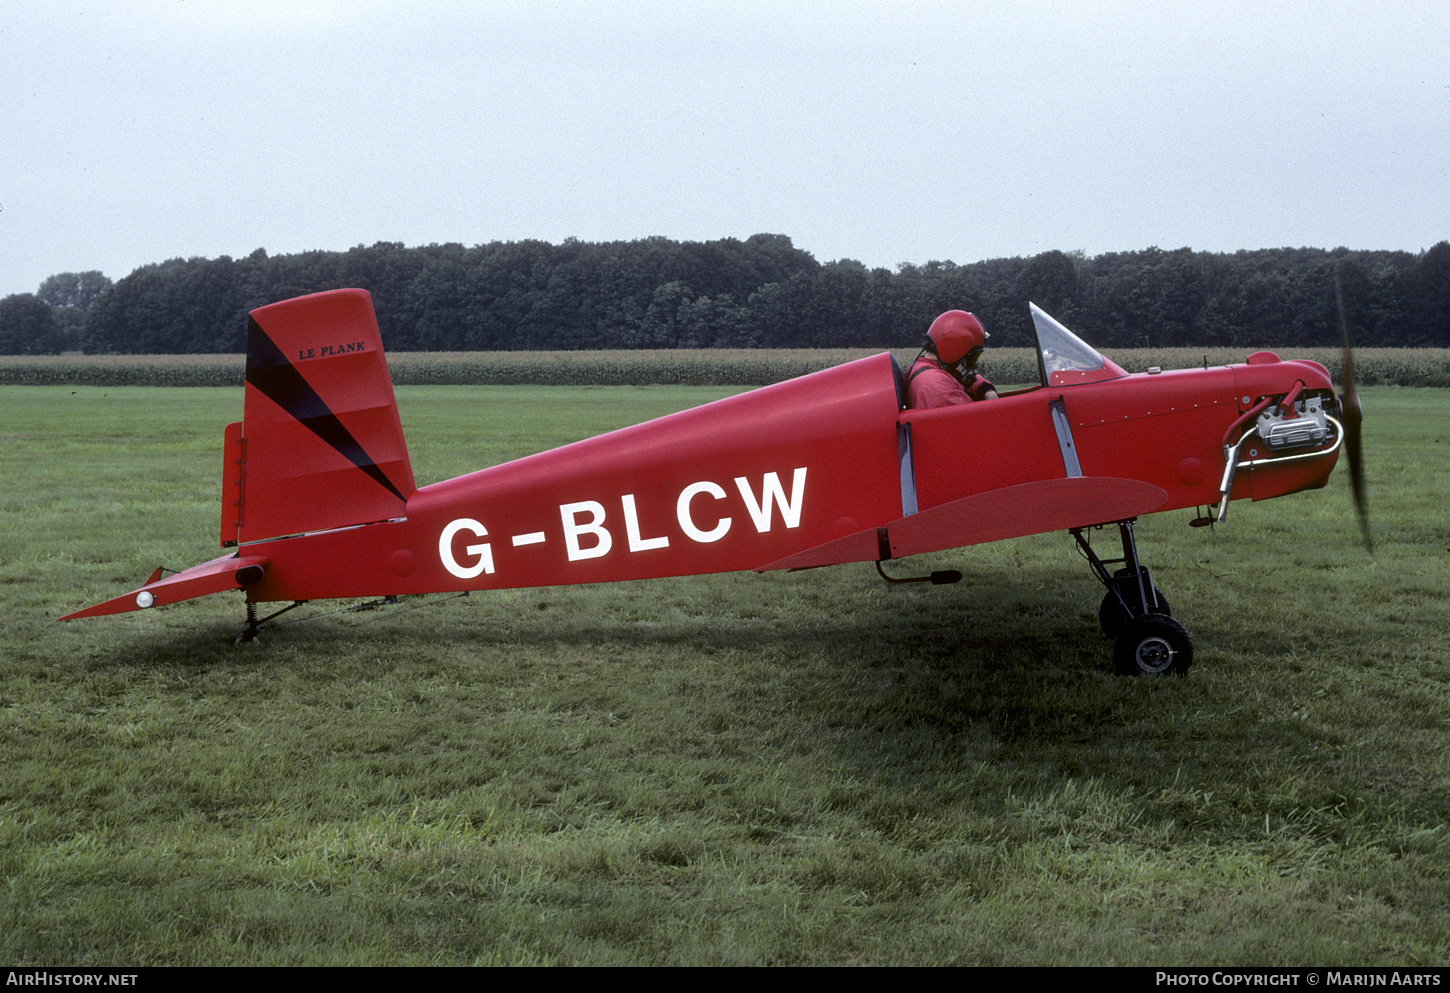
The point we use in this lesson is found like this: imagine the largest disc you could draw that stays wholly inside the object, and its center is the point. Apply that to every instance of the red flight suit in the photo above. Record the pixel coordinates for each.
(929, 385)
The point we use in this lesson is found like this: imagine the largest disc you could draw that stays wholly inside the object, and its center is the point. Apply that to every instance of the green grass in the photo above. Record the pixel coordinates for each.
(809, 768)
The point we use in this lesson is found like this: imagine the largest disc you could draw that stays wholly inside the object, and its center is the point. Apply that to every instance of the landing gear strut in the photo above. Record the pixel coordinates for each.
(1135, 613)
(253, 631)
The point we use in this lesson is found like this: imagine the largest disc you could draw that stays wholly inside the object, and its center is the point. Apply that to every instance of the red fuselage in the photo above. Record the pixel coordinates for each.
(753, 479)
(319, 498)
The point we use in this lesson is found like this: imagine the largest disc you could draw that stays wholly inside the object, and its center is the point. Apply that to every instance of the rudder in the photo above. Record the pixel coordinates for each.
(320, 444)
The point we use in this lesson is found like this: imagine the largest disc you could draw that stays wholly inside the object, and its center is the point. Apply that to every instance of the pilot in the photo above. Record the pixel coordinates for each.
(945, 372)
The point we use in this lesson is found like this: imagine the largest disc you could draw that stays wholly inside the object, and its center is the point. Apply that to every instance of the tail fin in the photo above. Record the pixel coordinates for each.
(320, 444)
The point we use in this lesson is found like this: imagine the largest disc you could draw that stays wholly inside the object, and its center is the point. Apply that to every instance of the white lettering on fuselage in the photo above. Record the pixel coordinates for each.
(687, 523)
(790, 509)
(631, 528)
(586, 532)
(483, 551)
(573, 530)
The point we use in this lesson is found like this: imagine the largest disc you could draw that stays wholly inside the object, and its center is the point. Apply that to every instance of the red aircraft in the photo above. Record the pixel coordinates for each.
(319, 500)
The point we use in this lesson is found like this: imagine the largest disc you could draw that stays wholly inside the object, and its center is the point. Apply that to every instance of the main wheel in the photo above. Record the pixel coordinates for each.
(1152, 645)
(1111, 616)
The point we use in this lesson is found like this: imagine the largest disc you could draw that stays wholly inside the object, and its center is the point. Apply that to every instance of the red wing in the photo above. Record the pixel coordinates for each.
(1010, 512)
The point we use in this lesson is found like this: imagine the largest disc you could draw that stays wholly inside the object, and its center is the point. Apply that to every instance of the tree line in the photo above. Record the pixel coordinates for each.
(759, 292)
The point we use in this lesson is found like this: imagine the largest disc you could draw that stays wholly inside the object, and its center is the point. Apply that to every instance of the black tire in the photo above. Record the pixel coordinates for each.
(1111, 616)
(1152, 645)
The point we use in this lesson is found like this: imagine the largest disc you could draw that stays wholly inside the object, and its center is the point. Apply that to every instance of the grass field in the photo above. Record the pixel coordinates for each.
(809, 768)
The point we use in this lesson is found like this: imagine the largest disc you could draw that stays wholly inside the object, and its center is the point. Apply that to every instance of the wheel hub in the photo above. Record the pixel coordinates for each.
(1155, 655)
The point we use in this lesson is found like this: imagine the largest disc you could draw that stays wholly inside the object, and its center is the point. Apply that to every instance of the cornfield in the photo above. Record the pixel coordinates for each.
(674, 367)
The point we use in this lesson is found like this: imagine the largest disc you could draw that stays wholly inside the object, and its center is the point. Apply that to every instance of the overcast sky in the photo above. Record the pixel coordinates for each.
(142, 130)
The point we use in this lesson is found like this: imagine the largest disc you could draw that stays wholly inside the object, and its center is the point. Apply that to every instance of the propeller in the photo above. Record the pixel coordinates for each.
(1353, 419)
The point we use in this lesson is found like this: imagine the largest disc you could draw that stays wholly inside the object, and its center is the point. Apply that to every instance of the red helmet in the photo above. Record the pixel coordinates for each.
(956, 333)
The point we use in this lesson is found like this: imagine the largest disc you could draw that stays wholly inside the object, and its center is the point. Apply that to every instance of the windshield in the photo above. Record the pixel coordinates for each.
(1064, 358)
